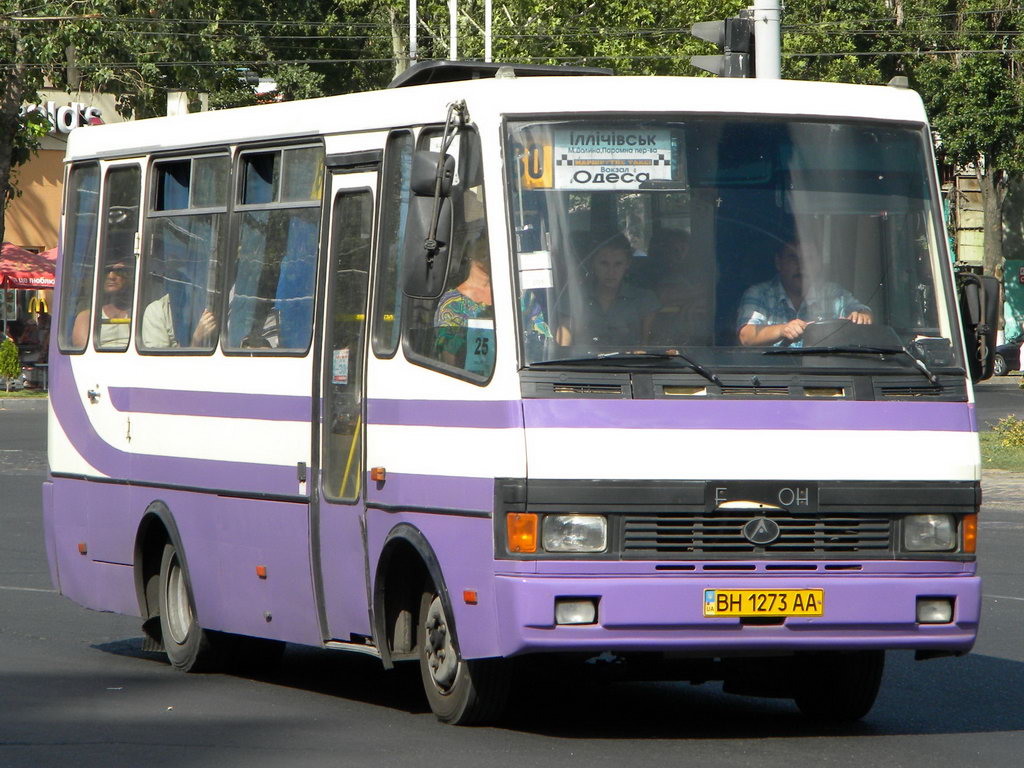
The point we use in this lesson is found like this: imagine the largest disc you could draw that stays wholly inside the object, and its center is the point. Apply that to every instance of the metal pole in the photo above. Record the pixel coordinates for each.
(413, 52)
(487, 30)
(768, 38)
(453, 14)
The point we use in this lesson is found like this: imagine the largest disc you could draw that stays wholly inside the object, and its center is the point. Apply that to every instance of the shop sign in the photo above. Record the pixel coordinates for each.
(64, 119)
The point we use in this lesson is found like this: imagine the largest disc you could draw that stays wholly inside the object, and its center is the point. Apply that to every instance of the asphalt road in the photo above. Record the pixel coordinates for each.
(998, 397)
(76, 689)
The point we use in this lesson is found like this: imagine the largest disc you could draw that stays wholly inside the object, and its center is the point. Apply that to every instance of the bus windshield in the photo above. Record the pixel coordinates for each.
(727, 238)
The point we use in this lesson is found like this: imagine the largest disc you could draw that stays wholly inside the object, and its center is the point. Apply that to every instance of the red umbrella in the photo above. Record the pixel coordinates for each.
(23, 269)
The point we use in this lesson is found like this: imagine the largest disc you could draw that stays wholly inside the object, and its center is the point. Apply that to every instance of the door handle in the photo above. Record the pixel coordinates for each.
(93, 395)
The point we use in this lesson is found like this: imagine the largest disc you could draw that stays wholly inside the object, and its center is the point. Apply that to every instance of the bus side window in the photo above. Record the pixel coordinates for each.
(181, 267)
(271, 295)
(79, 257)
(455, 333)
(115, 292)
(394, 206)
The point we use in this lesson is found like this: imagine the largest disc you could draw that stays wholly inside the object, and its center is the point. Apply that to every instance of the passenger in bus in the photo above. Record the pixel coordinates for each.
(612, 312)
(464, 315)
(158, 321)
(115, 310)
(778, 311)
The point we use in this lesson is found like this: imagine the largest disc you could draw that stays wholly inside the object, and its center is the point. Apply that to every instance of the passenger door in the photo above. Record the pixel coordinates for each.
(339, 511)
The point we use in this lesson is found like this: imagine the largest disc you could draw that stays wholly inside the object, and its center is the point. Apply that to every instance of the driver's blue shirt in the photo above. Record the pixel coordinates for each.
(767, 304)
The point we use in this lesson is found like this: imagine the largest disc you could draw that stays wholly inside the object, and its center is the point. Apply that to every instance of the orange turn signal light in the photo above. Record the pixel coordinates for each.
(970, 533)
(378, 474)
(469, 596)
(261, 571)
(522, 531)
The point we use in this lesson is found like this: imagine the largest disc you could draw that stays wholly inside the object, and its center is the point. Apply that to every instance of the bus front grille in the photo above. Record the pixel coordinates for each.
(668, 534)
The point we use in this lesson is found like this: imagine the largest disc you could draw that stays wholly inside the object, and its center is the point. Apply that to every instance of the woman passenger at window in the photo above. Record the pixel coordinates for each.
(115, 311)
(469, 301)
(613, 312)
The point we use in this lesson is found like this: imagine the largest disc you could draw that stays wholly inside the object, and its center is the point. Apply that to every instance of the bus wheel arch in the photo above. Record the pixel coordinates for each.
(162, 578)
(459, 691)
(406, 563)
(156, 529)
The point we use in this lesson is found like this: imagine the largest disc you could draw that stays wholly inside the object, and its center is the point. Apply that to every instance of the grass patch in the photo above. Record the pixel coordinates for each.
(995, 455)
(24, 393)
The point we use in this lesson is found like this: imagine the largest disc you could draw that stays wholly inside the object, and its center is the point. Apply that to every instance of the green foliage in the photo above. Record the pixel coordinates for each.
(10, 364)
(994, 455)
(1010, 432)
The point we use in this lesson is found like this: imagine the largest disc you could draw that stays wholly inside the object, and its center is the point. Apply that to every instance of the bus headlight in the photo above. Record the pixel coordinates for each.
(575, 533)
(929, 533)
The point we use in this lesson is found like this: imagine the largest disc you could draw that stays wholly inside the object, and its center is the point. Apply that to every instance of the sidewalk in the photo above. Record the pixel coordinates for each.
(1002, 488)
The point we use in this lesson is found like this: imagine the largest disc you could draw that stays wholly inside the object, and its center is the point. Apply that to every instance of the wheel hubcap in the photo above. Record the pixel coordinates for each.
(441, 657)
(179, 610)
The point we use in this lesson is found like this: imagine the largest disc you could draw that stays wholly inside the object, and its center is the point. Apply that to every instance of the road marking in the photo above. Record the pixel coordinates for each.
(1003, 597)
(27, 589)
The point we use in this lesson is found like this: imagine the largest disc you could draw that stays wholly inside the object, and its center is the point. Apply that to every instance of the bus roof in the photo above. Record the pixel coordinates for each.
(489, 99)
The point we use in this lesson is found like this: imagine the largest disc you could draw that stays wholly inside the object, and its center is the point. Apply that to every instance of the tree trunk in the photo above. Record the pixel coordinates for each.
(992, 182)
(11, 94)
(398, 49)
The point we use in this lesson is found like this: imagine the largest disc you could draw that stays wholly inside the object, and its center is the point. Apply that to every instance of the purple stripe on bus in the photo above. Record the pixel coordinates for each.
(662, 414)
(113, 462)
(751, 414)
(486, 414)
(225, 405)
(469, 494)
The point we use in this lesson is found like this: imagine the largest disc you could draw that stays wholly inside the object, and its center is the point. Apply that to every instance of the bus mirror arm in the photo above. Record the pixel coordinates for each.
(429, 235)
(980, 303)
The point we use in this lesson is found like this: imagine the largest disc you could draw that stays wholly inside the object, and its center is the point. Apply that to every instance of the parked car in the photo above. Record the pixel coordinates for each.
(1008, 357)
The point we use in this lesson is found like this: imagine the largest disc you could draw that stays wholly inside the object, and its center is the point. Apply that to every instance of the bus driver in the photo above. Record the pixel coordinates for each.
(777, 311)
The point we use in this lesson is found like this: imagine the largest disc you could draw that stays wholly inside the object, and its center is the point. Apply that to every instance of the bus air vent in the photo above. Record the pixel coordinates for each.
(587, 389)
(925, 391)
(686, 535)
(757, 391)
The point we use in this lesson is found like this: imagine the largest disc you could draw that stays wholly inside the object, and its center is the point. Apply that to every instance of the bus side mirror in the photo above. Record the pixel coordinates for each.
(980, 302)
(428, 230)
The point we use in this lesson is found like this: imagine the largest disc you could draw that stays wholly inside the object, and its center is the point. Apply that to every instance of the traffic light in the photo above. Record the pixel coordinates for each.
(735, 38)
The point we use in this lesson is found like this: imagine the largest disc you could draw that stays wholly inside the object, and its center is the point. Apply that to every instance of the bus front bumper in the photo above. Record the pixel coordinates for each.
(666, 614)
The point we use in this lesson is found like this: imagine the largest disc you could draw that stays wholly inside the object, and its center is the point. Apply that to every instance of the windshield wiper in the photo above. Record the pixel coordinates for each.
(857, 349)
(616, 357)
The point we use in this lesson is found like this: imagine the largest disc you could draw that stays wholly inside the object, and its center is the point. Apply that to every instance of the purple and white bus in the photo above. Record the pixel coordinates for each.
(670, 371)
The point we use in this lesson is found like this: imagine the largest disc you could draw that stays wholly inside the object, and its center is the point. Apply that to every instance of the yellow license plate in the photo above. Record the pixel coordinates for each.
(764, 602)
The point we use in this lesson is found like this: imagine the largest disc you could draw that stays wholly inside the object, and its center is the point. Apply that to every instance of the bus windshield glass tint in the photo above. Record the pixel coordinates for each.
(727, 238)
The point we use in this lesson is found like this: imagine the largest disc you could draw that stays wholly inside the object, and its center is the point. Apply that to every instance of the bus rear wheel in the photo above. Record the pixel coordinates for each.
(187, 645)
(460, 691)
(838, 687)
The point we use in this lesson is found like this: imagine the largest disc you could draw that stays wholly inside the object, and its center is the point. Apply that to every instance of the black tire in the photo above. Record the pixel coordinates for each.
(999, 366)
(187, 645)
(839, 687)
(460, 692)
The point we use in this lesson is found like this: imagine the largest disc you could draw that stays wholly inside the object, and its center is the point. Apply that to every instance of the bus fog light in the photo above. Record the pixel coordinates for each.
(575, 533)
(929, 533)
(575, 610)
(934, 610)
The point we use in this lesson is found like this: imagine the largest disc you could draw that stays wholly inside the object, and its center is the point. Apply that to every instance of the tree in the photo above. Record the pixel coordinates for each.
(10, 365)
(138, 53)
(961, 55)
(974, 90)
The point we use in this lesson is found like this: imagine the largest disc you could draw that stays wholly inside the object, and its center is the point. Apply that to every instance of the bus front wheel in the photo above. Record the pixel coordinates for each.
(838, 687)
(187, 645)
(460, 691)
